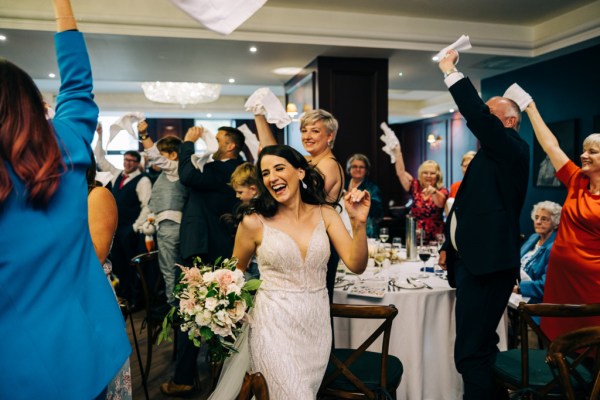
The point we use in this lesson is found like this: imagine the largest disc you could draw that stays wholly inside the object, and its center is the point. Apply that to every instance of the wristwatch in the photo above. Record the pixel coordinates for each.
(143, 136)
(450, 72)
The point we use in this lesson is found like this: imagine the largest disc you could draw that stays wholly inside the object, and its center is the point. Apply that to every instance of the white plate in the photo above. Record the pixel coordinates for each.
(406, 285)
(368, 291)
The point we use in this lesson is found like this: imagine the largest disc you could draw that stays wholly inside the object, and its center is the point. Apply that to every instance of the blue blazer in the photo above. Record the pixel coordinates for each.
(536, 267)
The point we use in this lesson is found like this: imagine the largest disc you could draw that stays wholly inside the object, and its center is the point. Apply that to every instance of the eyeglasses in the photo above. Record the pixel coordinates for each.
(133, 160)
(357, 167)
(542, 218)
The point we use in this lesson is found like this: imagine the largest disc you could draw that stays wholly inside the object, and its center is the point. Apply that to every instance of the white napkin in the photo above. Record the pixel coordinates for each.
(463, 43)
(220, 16)
(212, 145)
(264, 101)
(390, 140)
(518, 95)
(125, 123)
(251, 141)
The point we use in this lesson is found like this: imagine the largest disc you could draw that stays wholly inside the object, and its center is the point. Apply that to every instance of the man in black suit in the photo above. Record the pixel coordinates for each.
(482, 230)
(203, 232)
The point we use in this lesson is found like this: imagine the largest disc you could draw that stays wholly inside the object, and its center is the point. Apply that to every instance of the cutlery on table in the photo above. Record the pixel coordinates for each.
(412, 282)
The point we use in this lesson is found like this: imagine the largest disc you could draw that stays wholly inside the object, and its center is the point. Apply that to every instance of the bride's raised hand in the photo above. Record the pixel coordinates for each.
(357, 204)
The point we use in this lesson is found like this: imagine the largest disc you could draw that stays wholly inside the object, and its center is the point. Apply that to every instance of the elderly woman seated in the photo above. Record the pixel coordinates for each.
(536, 250)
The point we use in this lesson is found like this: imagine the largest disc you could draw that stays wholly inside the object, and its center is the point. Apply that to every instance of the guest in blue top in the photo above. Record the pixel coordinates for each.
(536, 250)
(358, 167)
(62, 333)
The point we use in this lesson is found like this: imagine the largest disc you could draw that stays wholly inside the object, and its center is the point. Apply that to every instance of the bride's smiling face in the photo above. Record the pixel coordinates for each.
(280, 178)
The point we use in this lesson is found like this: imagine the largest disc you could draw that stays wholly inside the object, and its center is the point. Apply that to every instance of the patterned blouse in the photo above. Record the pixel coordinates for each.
(429, 217)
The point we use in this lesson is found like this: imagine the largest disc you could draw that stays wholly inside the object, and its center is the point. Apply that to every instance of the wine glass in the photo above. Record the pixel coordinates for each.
(424, 255)
(384, 234)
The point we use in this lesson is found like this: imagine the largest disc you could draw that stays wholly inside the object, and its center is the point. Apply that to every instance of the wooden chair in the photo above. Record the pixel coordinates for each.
(524, 370)
(567, 353)
(155, 302)
(358, 373)
(254, 384)
(126, 311)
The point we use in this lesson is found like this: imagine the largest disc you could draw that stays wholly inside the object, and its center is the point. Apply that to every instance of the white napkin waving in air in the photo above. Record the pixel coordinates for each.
(264, 101)
(390, 140)
(250, 140)
(518, 95)
(125, 123)
(212, 145)
(463, 43)
(222, 16)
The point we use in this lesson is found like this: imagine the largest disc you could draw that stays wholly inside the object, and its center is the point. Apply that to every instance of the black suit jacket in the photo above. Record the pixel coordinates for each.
(203, 232)
(490, 198)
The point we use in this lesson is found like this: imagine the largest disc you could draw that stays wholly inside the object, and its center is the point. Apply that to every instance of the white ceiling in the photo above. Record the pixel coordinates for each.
(136, 40)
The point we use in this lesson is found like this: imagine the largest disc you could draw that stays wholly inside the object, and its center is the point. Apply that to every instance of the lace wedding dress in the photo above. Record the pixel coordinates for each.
(289, 339)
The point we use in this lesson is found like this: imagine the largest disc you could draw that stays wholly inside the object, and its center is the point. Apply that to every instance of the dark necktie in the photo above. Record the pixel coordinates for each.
(123, 181)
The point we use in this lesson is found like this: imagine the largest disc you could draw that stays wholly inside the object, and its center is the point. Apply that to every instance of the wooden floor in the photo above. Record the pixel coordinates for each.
(162, 367)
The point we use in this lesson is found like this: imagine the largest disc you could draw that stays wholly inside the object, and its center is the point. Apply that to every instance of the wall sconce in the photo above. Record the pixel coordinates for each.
(291, 110)
(433, 140)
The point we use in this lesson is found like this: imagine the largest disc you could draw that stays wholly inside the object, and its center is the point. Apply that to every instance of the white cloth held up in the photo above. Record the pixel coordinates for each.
(220, 16)
(125, 123)
(390, 140)
(463, 43)
(212, 145)
(518, 95)
(251, 141)
(264, 101)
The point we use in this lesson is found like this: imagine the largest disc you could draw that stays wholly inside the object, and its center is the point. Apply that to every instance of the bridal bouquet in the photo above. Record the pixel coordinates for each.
(213, 303)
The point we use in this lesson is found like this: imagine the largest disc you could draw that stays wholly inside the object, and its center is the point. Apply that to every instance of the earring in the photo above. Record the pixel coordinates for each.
(304, 186)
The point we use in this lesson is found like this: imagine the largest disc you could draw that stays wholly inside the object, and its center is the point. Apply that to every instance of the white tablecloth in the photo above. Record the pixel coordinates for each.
(422, 334)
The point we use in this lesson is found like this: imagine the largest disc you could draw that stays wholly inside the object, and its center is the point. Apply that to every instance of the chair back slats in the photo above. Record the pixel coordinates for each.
(567, 352)
(342, 368)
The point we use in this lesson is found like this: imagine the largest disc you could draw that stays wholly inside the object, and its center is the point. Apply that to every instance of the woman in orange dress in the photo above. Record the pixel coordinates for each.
(573, 275)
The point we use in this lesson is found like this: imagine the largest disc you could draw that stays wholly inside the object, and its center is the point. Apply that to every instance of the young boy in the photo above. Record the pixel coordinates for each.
(166, 203)
(244, 183)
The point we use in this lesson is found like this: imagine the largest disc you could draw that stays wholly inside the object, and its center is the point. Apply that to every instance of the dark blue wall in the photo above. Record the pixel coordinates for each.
(564, 88)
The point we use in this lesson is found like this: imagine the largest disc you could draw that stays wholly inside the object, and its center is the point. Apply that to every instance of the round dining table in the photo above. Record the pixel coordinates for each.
(423, 332)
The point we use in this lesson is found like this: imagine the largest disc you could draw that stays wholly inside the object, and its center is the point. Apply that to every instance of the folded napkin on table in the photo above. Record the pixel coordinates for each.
(212, 145)
(220, 16)
(125, 123)
(250, 140)
(390, 140)
(518, 95)
(264, 101)
(463, 43)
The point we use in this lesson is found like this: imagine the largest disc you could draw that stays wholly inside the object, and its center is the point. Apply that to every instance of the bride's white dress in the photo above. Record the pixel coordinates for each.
(290, 337)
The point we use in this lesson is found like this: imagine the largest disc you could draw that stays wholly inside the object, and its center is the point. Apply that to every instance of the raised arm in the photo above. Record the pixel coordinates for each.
(405, 178)
(63, 13)
(146, 140)
(546, 138)
(265, 135)
(352, 250)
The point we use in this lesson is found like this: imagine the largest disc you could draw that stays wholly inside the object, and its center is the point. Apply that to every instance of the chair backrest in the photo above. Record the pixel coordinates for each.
(387, 314)
(254, 384)
(527, 311)
(152, 282)
(568, 351)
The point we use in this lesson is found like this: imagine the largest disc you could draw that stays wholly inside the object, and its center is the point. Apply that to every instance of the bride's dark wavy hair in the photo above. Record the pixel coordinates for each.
(314, 193)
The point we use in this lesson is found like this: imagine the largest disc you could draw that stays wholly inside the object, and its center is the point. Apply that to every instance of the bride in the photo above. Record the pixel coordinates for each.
(289, 227)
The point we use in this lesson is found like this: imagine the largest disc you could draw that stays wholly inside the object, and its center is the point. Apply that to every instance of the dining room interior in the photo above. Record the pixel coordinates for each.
(367, 62)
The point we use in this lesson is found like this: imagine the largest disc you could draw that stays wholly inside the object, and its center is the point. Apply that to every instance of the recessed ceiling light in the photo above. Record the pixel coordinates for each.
(287, 71)
(208, 115)
(400, 73)
(2, 38)
(253, 49)
(231, 80)
(451, 110)
(52, 75)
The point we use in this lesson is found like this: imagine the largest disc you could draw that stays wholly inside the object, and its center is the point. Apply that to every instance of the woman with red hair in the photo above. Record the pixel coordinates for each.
(62, 331)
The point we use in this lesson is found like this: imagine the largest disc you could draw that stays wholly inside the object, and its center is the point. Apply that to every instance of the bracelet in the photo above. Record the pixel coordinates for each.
(143, 136)
(450, 72)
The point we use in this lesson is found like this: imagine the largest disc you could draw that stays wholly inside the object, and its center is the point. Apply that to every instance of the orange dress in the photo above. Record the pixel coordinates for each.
(573, 275)
(453, 189)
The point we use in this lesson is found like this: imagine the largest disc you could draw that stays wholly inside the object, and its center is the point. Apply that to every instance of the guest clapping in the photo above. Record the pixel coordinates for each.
(428, 194)
(574, 269)
(535, 252)
(358, 167)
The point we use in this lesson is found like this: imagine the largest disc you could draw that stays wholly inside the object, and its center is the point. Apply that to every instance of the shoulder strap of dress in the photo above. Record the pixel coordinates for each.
(340, 194)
